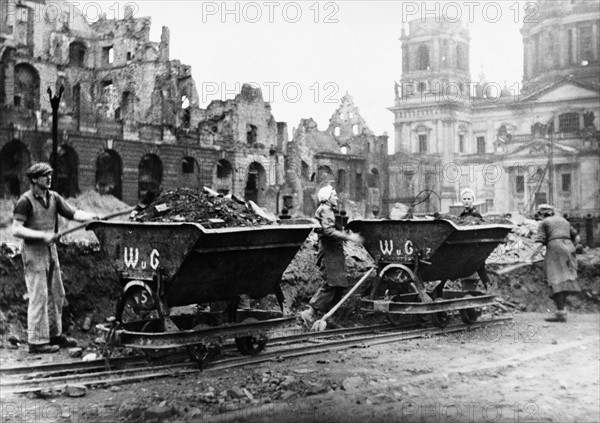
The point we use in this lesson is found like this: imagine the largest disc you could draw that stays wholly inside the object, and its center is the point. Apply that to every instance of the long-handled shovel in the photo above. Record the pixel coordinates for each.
(144, 202)
(321, 324)
(106, 217)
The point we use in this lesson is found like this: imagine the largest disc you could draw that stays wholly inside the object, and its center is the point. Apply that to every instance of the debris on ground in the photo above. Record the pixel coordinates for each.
(190, 205)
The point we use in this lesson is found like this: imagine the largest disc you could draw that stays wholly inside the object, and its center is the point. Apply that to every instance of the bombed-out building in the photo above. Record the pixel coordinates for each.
(347, 155)
(128, 119)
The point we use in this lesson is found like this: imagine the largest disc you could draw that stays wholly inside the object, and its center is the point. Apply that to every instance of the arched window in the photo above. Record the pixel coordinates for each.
(150, 174)
(27, 87)
(14, 160)
(109, 168)
(256, 183)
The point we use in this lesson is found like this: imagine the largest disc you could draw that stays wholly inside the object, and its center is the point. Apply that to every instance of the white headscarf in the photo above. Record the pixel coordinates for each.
(467, 191)
(325, 193)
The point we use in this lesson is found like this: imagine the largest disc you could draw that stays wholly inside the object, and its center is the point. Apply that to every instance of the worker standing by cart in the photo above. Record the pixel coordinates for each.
(330, 258)
(36, 222)
(560, 262)
(470, 283)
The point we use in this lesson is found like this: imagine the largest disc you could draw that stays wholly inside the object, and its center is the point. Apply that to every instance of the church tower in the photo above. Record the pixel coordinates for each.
(431, 109)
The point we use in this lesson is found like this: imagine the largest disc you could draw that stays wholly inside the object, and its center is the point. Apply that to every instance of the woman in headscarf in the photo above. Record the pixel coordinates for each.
(330, 258)
(560, 262)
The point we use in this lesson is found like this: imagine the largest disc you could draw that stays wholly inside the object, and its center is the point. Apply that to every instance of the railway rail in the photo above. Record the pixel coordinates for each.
(121, 370)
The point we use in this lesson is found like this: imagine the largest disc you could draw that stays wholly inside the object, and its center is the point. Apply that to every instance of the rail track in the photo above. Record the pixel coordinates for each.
(121, 370)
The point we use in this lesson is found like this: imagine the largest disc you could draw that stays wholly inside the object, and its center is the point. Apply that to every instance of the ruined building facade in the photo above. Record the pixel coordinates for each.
(346, 155)
(516, 147)
(129, 118)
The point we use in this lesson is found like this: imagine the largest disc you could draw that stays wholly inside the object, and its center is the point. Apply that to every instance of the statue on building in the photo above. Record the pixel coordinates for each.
(539, 130)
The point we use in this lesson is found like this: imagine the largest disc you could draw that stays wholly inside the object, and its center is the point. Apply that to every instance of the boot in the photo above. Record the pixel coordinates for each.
(560, 316)
(62, 341)
(308, 317)
(42, 348)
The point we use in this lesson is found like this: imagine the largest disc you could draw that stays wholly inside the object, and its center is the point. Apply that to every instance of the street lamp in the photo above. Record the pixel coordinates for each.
(54, 103)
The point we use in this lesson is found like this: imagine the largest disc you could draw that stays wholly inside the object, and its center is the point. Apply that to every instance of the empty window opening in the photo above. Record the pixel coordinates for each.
(108, 55)
(223, 169)
(14, 160)
(109, 168)
(150, 173)
(27, 87)
(77, 52)
(185, 112)
(188, 165)
(255, 183)
(251, 133)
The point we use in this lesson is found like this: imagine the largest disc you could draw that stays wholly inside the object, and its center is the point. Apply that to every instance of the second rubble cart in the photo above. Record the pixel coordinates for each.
(181, 283)
(411, 252)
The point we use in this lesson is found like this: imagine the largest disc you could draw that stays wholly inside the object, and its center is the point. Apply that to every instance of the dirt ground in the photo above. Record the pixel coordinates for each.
(526, 371)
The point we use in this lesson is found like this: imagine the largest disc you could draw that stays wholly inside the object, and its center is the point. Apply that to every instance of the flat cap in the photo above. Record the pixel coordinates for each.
(39, 169)
(545, 207)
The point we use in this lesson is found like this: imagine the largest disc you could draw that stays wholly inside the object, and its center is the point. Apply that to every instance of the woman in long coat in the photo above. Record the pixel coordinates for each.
(330, 258)
(560, 262)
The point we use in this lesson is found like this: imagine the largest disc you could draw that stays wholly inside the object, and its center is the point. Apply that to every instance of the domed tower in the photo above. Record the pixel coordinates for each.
(561, 40)
(435, 57)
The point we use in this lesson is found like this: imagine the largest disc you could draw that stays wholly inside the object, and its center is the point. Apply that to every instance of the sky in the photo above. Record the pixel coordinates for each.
(306, 55)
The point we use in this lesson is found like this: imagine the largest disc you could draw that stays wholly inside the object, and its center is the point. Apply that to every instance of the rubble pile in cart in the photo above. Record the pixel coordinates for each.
(202, 206)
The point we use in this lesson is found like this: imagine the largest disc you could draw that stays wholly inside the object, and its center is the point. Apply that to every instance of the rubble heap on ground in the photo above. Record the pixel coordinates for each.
(190, 205)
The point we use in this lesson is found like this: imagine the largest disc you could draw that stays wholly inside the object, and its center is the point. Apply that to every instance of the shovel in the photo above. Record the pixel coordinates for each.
(513, 267)
(321, 324)
(106, 217)
(144, 202)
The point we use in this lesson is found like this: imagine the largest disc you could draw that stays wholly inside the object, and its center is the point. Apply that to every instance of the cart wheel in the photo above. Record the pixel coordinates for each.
(396, 319)
(251, 345)
(442, 318)
(138, 306)
(202, 352)
(197, 353)
(470, 315)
